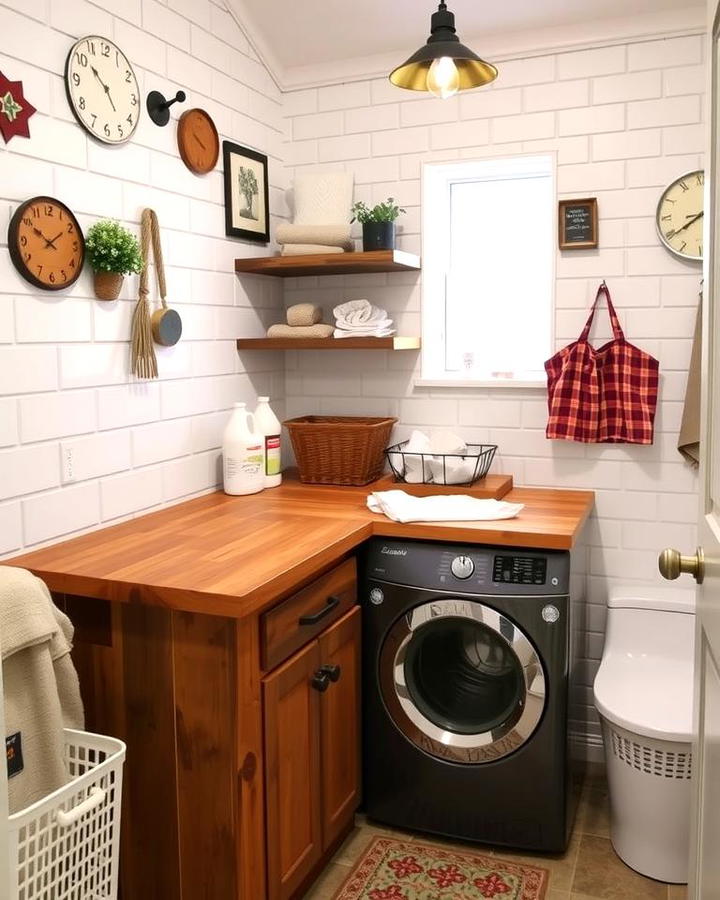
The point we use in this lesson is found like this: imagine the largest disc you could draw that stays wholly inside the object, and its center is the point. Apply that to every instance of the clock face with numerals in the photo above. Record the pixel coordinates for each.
(102, 89)
(46, 243)
(198, 141)
(680, 216)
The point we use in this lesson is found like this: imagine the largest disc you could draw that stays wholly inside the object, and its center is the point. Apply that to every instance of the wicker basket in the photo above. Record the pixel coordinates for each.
(339, 449)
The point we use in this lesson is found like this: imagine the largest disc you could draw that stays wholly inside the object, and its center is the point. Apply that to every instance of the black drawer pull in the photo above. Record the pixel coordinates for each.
(314, 618)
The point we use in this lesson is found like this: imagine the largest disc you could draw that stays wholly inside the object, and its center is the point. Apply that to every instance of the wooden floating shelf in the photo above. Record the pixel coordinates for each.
(358, 343)
(330, 264)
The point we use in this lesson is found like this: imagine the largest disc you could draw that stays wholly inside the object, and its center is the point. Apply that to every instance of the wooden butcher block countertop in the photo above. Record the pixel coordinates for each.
(233, 556)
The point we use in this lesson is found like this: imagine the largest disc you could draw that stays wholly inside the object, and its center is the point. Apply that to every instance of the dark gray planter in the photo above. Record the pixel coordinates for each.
(378, 236)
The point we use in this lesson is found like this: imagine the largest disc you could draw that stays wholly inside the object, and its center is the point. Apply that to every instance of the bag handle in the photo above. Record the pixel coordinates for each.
(614, 321)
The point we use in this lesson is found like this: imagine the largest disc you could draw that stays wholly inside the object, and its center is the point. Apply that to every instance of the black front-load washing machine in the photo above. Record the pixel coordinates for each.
(466, 656)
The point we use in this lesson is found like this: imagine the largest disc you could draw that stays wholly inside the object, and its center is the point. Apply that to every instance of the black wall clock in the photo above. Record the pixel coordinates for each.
(102, 89)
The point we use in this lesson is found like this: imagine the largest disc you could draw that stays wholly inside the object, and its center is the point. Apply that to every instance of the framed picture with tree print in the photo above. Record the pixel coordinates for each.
(246, 193)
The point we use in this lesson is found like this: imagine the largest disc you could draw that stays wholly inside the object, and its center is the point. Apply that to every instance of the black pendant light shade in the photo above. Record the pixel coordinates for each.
(443, 44)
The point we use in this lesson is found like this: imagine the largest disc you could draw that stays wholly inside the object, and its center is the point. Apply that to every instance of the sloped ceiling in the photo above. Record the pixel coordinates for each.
(311, 32)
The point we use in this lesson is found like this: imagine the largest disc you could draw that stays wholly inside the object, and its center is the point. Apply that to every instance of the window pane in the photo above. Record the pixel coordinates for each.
(490, 252)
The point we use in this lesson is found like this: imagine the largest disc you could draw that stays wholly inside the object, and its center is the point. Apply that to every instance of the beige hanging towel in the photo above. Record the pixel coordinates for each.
(689, 437)
(41, 690)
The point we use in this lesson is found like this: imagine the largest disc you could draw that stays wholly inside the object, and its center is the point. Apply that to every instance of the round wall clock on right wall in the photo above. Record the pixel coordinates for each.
(679, 216)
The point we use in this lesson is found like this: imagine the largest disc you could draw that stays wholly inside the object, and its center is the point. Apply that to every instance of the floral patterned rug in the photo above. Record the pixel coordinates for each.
(405, 870)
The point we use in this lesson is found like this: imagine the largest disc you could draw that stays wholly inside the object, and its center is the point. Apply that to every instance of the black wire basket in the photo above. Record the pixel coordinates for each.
(441, 468)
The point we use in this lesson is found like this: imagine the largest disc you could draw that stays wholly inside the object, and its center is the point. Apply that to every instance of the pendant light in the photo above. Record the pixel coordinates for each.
(443, 65)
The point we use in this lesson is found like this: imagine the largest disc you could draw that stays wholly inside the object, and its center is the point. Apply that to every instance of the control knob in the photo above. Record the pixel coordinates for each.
(462, 567)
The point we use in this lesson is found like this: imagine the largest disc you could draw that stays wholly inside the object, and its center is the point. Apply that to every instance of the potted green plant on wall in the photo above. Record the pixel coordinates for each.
(113, 252)
(378, 223)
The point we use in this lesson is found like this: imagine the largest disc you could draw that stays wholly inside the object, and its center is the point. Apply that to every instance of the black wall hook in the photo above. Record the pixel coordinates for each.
(159, 108)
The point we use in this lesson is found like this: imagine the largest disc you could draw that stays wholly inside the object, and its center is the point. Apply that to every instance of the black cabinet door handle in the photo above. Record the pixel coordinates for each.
(320, 681)
(332, 672)
(314, 618)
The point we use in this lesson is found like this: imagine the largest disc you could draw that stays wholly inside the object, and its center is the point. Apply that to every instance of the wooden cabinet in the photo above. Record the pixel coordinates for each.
(292, 772)
(340, 727)
(243, 756)
(312, 753)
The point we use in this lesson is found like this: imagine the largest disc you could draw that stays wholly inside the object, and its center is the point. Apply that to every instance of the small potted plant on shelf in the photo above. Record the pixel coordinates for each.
(113, 252)
(378, 223)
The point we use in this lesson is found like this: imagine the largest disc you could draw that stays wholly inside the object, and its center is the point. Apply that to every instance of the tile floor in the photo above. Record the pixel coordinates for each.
(589, 870)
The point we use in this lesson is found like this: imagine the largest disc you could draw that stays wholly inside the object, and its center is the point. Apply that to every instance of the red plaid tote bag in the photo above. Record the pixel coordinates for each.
(602, 396)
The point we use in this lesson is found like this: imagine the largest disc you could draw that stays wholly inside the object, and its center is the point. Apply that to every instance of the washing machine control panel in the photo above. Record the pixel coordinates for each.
(462, 567)
(519, 570)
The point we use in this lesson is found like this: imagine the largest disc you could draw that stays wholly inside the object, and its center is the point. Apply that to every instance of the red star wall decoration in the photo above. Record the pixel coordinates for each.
(15, 110)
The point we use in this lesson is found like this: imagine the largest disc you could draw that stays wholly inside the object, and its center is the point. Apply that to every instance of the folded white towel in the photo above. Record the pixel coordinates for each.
(443, 440)
(379, 325)
(402, 507)
(374, 332)
(358, 312)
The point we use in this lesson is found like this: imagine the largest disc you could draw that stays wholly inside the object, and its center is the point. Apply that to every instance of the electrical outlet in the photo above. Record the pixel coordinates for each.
(67, 464)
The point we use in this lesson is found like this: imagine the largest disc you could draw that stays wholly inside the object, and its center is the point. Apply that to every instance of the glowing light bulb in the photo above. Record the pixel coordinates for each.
(443, 79)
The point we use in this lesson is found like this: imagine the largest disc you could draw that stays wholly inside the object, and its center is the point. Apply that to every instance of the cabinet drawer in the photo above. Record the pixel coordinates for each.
(301, 617)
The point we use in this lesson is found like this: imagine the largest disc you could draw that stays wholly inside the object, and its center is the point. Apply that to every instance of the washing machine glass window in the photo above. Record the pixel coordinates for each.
(461, 681)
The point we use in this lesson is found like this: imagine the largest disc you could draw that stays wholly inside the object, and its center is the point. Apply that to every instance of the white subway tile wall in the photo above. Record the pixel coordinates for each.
(624, 121)
(83, 443)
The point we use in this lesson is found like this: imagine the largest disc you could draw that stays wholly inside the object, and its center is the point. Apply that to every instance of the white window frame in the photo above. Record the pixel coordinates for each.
(436, 181)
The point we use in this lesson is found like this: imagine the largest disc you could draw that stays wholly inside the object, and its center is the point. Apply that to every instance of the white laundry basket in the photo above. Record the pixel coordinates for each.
(65, 846)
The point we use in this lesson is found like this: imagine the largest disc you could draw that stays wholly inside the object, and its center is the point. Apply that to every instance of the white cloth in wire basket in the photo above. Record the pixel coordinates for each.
(66, 846)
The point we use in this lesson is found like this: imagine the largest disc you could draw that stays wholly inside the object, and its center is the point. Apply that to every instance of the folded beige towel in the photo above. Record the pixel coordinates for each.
(300, 331)
(305, 249)
(327, 235)
(304, 314)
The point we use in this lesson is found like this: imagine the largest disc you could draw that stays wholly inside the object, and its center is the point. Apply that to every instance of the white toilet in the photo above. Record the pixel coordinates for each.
(644, 694)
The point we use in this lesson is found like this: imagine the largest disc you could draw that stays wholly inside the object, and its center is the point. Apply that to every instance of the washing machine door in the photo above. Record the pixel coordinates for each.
(461, 681)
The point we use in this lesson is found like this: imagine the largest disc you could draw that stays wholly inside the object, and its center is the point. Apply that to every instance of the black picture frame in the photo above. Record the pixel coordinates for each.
(235, 212)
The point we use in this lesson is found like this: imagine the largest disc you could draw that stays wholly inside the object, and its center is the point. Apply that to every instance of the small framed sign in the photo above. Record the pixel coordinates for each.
(246, 193)
(578, 224)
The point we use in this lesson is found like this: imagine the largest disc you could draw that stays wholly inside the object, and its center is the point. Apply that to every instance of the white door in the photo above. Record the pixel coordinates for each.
(705, 566)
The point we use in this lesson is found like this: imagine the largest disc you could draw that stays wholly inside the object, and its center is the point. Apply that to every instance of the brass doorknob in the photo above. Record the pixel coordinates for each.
(672, 564)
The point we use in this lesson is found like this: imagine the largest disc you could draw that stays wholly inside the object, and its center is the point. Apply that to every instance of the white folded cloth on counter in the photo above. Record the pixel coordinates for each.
(402, 507)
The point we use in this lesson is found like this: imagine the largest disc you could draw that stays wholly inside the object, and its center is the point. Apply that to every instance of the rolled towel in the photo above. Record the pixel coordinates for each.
(308, 249)
(304, 314)
(358, 312)
(300, 331)
(327, 235)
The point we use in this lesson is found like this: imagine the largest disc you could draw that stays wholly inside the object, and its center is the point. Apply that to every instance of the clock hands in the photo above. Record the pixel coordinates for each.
(106, 88)
(693, 218)
(48, 243)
